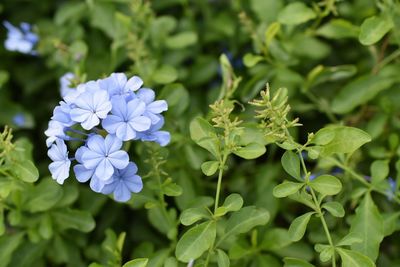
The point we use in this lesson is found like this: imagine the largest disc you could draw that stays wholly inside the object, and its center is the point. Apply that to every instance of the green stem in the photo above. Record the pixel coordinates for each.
(319, 211)
(387, 60)
(362, 180)
(220, 173)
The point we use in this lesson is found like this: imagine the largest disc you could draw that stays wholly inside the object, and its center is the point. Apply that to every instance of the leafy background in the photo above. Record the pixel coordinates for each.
(339, 63)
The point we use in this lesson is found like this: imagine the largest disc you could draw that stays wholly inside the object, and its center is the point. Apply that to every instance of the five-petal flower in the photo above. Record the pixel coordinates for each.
(103, 155)
(124, 182)
(59, 168)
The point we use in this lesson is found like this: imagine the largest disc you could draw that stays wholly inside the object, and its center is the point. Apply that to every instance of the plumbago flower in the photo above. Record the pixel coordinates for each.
(20, 39)
(102, 115)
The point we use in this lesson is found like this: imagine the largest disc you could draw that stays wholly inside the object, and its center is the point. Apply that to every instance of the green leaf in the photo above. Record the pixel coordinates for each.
(74, 219)
(181, 40)
(349, 240)
(293, 262)
(354, 259)
(8, 244)
(286, 189)
(172, 189)
(195, 241)
(203, 134)
(192, 215)
(379, 171)
(165, 74)
(368, 225)
(291, 164)
(245, 219)
(250, 60)
(251, 151)
(390, 222)
(373, 29)
(222, 259)
(338, 29)
(326, 184)
(296, 13)
(26, 171)
(44, 196)
(142, 262)
(298, 227)
(232, 203)
(342, 139)
(334, 208)
(209, 167)
(359, 92)
(275, 239)
(69, 12)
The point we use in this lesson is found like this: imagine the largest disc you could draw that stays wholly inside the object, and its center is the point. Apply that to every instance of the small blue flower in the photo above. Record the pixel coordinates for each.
(118, 84)
(65, 84)
(154, 135)
(90, 107)
(60, 166)
(126, 119)
(20, 39)
(153, 108)
(124, 182)
(55, 131)
(103, 154)
(19, 119)
(61, 114)
(391, 191)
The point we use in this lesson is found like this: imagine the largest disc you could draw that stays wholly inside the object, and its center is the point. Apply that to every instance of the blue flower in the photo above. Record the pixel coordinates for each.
(90, 107)
(55, 131)
(126, 118)
(124, 182)
(65, 84)
(19, 119)
(60, 166)
(20, 39)
(154, 135)
(103, 155)
(153, 108)
(61, 114)
(118, 84)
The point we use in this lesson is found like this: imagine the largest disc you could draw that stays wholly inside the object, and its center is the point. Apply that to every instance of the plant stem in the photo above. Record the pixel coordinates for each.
(220, 173)
(319, 211)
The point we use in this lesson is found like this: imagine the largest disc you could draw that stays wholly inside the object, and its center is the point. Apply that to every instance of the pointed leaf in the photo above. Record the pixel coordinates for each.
(296, 13)
(142, 262)
(379, 171)
(195, 241)
(222, 259)
(286, 189)
(368, 225)
(291, 164)
(298, 227)
(354, 259)
(203, 134)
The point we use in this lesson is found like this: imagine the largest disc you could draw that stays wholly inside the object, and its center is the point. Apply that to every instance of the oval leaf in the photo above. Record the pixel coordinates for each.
(373, 29)
(334, 208)
(286, 189)
(251, 151)
(195, 241)
(192, 215)
(142, 262)
(245, 219)
(326, 184)
(296, 13)
(210, 167)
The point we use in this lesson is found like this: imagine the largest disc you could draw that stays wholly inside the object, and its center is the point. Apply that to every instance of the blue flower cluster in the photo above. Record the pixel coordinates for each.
(102, 115)
(20, 39)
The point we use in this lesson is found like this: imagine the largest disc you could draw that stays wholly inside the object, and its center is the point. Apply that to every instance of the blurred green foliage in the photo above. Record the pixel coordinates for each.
(325, 199)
